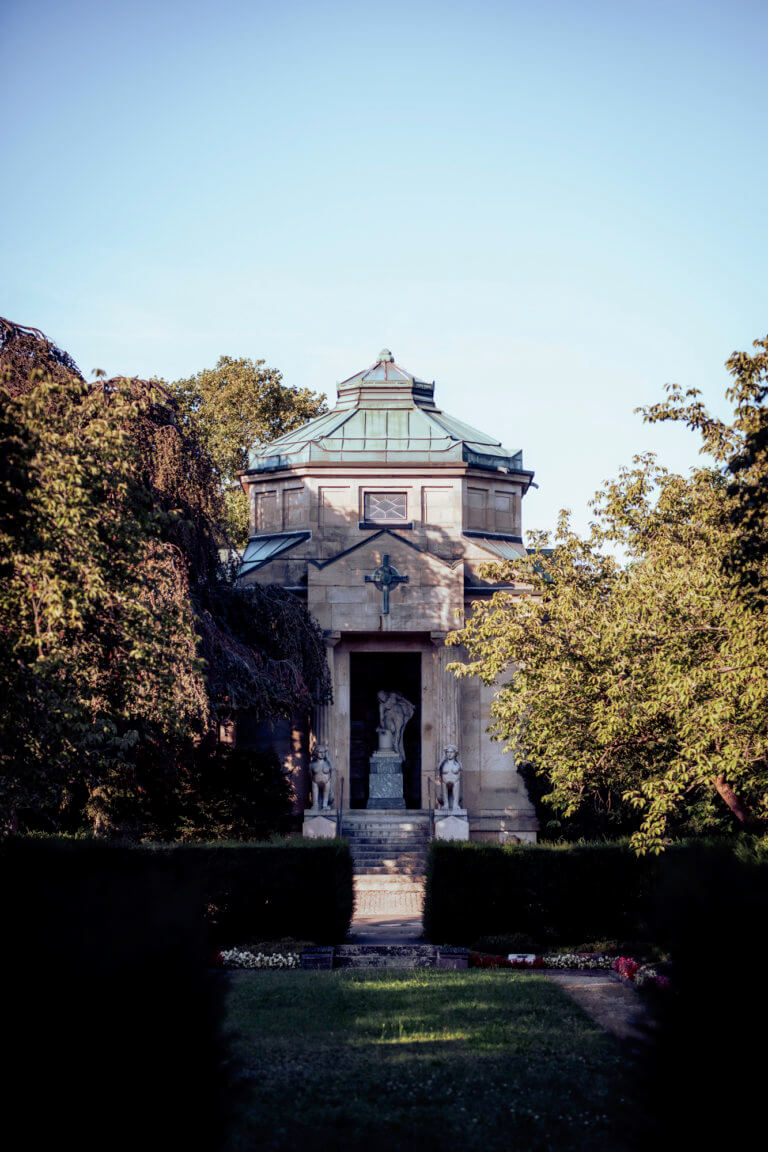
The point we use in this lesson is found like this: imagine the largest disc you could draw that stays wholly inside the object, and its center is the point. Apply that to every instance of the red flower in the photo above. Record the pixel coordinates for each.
(626, 967)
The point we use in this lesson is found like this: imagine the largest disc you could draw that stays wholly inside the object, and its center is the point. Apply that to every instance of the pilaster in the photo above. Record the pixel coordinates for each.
(324, 715)
(448, 720)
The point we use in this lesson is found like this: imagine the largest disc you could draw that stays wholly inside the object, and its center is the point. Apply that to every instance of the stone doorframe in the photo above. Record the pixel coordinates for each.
(440, 708)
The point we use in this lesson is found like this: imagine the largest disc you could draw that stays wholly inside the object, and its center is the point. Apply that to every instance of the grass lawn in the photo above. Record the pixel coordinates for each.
(423, 1060)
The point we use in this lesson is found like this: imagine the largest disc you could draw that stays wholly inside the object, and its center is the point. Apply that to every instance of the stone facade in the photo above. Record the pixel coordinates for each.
(389, 479)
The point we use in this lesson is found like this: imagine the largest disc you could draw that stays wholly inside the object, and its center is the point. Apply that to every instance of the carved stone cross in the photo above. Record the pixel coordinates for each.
(384, 578)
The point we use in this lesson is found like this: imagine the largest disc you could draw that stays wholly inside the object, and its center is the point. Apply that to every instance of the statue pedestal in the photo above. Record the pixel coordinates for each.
(451, 824)
(385, 782)
(319, 824)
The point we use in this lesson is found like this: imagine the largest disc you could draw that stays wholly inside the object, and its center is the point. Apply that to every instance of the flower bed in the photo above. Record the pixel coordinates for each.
(644, 976)
(240, 958)
(578, 961)
(487, 960)
(641, 975)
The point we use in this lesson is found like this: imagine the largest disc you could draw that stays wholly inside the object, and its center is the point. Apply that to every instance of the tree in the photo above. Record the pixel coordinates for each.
(234, 406)
(98, 641)
(743, 448)
(122, 641)
(640, 688)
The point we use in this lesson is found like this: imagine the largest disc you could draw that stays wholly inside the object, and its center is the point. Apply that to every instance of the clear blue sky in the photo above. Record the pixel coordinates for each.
(551, 208)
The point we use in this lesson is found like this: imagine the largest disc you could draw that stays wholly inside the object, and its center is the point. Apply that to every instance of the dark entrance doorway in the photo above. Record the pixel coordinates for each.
(369, 673)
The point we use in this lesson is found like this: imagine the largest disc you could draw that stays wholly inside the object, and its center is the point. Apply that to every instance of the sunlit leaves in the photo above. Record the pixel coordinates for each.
(234, 406)
(645, 684)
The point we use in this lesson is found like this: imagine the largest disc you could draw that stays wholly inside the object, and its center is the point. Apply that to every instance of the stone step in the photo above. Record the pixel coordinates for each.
(414, 875)
(388, 833)
(382, 873)
(387, 830)
(388, 837)
(383, 841)
(384, 845)
(407, 858)
(409, 853)
(391, 880)
(405, 863)
(377, 873)
(388, 850)
(405, 815)
(385, 827)
(382, 902)
(403, 956)
(388, 860)
(418, 849)
(389, 854)
(385, 956)
(415, 849)
(388, 894)
(391, 849)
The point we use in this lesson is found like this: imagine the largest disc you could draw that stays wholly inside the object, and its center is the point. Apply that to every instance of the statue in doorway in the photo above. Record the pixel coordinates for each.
(394, 713)
(449, 778)
(321, 775)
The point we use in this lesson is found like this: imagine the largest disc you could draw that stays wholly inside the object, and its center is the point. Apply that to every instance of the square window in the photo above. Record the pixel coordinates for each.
(385, 506)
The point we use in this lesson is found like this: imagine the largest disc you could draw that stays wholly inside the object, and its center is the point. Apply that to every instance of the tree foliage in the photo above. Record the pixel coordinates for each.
(123, 642)
(235, 794)
(641, 688)
(742, 448)
(234, 406)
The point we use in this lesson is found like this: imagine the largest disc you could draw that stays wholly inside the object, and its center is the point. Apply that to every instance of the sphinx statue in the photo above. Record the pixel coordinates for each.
(449, 778)
(321, 776)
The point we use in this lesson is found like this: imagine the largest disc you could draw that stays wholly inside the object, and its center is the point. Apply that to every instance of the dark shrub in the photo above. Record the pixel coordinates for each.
(236, 794)
(112, 1022)
(503, 945)
(706, 1075)
(550, 894)
(289, 888)
(563, 894)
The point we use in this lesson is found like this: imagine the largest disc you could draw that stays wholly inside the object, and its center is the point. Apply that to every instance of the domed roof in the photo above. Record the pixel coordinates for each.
(385, 415)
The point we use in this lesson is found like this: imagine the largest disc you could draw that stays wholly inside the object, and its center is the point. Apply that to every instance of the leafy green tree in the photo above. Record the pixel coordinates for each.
(640, 688)
(98, 640)
(236, 794)
(743, 448)
(122, 643)
(234, 406)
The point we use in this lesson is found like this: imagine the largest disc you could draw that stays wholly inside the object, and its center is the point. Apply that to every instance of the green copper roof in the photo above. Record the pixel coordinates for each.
(385, 415)
(261, 549)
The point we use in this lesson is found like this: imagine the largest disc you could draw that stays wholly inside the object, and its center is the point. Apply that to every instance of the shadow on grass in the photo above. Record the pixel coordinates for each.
(428, 1060)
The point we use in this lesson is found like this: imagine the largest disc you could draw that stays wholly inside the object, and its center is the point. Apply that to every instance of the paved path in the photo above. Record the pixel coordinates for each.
(614, 1005)
(380, 928)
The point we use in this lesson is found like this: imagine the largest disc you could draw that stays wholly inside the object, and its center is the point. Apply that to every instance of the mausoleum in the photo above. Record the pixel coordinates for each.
(380, 513)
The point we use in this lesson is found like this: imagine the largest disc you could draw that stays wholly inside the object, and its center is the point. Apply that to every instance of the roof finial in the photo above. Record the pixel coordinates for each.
(385, 354)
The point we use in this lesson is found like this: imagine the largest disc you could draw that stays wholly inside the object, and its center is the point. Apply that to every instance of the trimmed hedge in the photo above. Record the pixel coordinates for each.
(569, 894)
(112, 1022)
(300, 888)
(706, 1077)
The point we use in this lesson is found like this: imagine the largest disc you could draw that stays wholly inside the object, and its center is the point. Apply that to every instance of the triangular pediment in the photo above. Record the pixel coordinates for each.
(320, 564)
(385, 582)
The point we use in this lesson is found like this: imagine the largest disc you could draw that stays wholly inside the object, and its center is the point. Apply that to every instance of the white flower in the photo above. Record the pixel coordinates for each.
(572, 960)
(240, 958)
